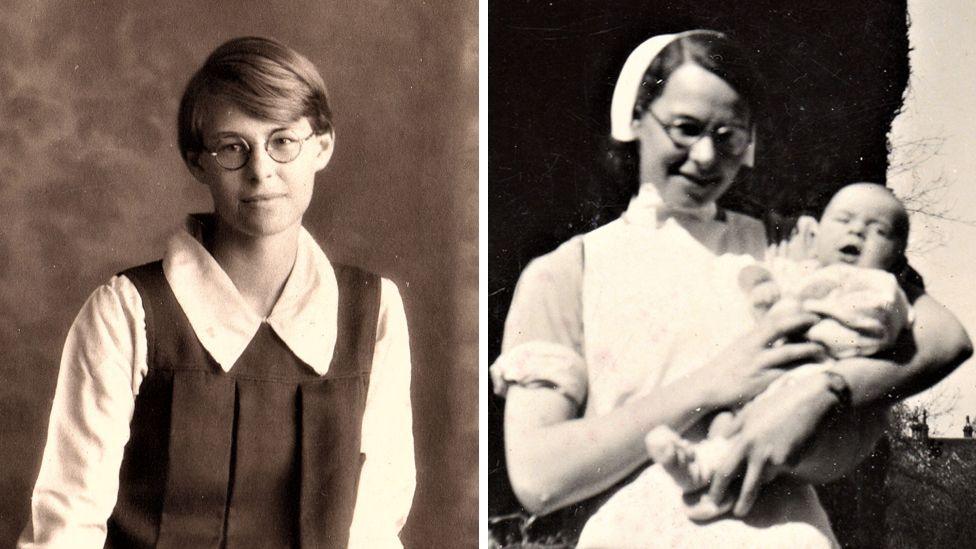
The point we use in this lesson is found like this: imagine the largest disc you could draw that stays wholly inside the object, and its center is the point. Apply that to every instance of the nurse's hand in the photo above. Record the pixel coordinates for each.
(747, 366)
(771, 433)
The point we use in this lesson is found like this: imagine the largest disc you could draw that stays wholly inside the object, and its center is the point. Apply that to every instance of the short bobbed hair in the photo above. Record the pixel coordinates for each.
(712, 51)
(262, 77)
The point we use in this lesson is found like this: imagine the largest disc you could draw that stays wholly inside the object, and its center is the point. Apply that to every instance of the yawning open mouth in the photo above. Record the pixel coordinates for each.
(850, 252)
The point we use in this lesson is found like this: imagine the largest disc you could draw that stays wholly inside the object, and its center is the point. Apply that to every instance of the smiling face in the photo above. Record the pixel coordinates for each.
(688, 177)
(263, 197)
(863, 225)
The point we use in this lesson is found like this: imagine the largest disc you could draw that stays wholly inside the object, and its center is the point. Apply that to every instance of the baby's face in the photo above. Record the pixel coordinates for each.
(863, 225)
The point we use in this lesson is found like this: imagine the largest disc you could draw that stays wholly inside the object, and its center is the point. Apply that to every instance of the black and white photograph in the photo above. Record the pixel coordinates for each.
(729, 259)
(239, 274)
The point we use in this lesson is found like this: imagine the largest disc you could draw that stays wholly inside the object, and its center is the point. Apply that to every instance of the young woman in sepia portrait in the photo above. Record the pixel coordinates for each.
(243, 391)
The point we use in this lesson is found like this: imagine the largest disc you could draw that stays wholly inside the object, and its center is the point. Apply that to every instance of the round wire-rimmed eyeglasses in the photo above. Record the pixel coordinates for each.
(282, 146)
(729, 140)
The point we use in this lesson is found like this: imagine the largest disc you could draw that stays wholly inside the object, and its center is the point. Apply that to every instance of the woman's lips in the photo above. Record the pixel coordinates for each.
(261, 198)
(701, 181)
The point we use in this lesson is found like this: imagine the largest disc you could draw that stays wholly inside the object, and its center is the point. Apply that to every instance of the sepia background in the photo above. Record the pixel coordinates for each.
(91, 182)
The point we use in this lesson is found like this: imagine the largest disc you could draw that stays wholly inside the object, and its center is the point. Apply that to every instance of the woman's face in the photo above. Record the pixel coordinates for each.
(263, 197)
(692, 176)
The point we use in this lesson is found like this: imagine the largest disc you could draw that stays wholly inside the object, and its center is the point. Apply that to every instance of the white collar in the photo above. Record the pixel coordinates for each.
(648, 209)
(304, 317)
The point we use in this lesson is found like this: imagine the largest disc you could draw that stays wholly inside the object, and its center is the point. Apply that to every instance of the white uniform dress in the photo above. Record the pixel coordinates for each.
(633, 305)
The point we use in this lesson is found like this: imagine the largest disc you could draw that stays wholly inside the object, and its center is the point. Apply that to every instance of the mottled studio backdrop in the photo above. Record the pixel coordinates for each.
(91, 182)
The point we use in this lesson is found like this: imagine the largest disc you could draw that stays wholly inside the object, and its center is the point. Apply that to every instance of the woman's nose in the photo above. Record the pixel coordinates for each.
(702, 152)
(260, 165)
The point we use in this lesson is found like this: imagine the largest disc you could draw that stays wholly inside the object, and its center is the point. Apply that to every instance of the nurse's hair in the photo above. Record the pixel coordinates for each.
(261, 77)
(712, 51)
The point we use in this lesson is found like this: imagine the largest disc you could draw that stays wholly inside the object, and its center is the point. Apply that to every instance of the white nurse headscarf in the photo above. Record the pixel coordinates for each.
(628, 87)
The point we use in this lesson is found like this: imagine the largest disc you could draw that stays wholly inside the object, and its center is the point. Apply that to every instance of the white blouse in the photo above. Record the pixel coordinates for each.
(636, 304)
(104, 363)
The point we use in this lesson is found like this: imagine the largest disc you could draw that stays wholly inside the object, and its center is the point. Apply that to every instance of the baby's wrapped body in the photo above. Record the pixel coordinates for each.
(863, 312)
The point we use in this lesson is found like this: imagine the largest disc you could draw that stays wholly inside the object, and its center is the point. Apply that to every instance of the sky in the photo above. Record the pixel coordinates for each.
(936, 136)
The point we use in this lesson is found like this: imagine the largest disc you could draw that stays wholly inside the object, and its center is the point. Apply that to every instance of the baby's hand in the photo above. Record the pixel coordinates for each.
(800, 245)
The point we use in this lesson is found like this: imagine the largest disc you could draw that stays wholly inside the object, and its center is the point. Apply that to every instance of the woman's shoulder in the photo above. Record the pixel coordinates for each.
(118, 293)
(567, 259)
(550, 286)
(112, 317)
(563, 263)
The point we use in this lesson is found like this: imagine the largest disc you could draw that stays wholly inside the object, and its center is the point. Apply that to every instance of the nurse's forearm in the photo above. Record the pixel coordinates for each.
(936, 345)
(555, 459)
(845, 440)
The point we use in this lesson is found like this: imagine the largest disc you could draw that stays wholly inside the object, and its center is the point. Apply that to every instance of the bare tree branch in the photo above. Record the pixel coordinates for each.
(925, 198)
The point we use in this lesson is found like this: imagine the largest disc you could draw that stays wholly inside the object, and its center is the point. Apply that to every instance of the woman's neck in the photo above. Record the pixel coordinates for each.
(258, 266)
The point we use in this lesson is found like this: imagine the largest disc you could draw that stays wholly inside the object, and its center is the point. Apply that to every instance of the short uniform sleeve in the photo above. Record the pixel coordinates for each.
(543, 340)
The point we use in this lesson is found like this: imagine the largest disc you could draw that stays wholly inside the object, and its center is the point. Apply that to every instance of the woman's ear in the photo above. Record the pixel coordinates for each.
(327, 147)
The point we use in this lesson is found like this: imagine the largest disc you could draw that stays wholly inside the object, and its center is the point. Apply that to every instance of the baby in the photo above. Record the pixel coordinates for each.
(860, 240)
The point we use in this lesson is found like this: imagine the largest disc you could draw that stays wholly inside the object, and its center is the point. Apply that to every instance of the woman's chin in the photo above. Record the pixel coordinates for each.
(684, 194)
(687, 201)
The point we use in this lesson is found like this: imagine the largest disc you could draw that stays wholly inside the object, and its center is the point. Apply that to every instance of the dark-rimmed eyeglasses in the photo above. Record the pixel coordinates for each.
(283, 146)
(728, 140)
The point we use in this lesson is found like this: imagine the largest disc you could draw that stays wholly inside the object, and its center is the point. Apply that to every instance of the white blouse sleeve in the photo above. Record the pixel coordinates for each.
(543, 340)
(101, 367)
(388, 478)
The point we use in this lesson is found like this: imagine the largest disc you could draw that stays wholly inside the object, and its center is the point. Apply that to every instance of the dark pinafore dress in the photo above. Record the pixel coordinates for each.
(266, 455)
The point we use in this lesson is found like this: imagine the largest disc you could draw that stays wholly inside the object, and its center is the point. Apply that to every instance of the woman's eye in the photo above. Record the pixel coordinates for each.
(724, 137)
(231, 148)
(282, 140)
(688, 128)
